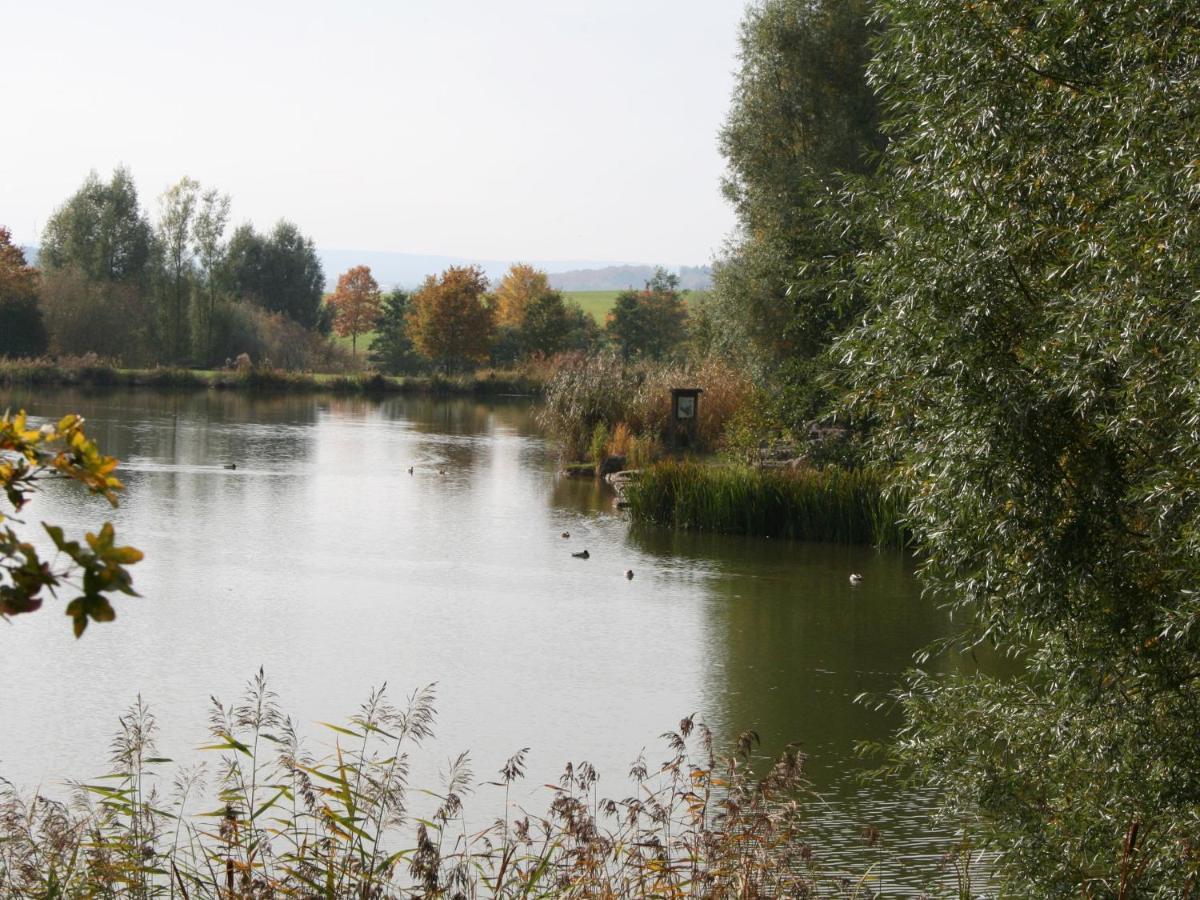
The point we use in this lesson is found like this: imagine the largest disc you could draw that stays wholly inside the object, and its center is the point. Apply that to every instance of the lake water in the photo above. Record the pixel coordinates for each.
(323, 560)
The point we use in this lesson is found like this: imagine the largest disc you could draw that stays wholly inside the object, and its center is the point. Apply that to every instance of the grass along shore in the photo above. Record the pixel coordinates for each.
(850, 506)
(21, 372)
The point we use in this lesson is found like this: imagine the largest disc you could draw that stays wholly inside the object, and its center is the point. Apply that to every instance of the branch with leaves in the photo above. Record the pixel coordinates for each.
(95, 567)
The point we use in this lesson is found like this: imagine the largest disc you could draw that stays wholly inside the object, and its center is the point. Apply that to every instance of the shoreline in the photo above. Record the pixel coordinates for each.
(486, 382)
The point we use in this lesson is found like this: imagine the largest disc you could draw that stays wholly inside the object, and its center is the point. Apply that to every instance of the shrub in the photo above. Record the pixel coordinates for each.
(262, 378)
(753, 425)
(111, 319)
(40, 370)
(170, 377)
(272, 340)
(87, 369)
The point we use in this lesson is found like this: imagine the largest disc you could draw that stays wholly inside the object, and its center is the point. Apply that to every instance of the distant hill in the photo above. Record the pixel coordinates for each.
(619, 278)
(408, 270)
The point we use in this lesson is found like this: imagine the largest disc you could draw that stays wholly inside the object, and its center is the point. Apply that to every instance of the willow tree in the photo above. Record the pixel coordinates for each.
(1033, 355)
(803, 124)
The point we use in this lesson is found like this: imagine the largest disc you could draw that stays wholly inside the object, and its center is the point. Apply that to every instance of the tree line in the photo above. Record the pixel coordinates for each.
(176, 290)
(185, 290)
(456, 320)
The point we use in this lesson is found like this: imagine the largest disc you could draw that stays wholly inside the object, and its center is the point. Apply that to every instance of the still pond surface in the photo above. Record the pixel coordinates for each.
(323, 560)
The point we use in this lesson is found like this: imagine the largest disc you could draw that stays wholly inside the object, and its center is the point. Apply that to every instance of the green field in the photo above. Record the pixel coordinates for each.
(595, 303)
(364, 341)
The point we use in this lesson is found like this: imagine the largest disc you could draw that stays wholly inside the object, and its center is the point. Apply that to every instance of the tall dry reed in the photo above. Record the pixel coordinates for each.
(725, 389)
(276, 822)
(603, 390)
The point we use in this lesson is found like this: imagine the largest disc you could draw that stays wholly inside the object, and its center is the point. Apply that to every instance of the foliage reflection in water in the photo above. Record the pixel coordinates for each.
(323, 560)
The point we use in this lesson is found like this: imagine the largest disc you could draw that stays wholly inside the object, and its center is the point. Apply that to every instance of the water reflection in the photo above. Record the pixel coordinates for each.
(582, 495)
(323, 559)
(797, 642)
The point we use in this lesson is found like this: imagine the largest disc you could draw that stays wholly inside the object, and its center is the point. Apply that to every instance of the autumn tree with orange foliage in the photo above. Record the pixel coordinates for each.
(521, 286)
(22, 332)
(356, 304)
(449, 319)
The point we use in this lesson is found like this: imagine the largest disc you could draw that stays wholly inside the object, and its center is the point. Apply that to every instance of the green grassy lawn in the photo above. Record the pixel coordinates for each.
(595, 303)
(364, 341)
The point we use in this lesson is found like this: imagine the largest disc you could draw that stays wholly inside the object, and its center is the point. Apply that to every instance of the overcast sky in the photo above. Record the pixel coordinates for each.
(529, 129)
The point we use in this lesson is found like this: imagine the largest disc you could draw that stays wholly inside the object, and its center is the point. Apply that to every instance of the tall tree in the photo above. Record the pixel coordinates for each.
(448, 319)
(548, 324)
(208, 237)
(582, 331)
(804, 123)
(295, 282)
(522, 285)
(22, 331)
(1032, 354)
(535, 318)
(649, 323)
(244, 270)
(100, 230)
(175, 235)
(357, 304)
(280, 272)
(392, 350)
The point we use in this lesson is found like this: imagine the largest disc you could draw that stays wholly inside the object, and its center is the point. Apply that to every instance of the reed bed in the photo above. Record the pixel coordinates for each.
(589, 395)
(274, 822)
(849, 506)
